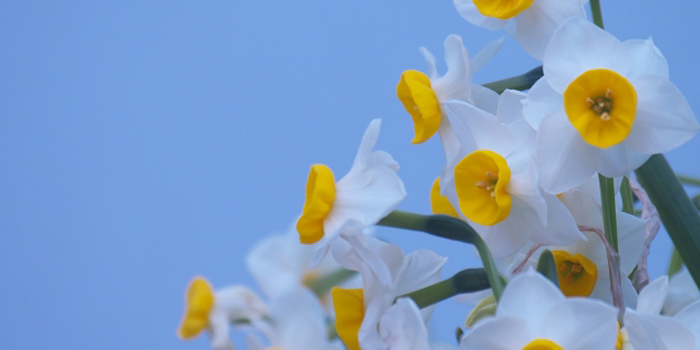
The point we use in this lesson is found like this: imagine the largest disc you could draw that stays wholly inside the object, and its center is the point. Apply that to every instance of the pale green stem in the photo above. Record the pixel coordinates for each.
(688, 180)
(676, 263)
(520, 82)
(607, 197)
(627, 198)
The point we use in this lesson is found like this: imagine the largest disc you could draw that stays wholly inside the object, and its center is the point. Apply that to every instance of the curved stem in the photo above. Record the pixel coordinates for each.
(688, 180)
(597, 13)
(520, 82)
(607, 197)
(627, 198)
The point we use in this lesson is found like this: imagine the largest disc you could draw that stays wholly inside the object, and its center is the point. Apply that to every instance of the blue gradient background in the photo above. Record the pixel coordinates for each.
(144, 142)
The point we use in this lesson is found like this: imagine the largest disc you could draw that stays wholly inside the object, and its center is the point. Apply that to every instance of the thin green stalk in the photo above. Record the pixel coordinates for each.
(627, 198)
(677, 212)
(597, 13)
(520, 82)
(465, 281)
(607, 197)
(450, 228)
(548, 267)
(676, 263)
(688, 180)
(321, 286)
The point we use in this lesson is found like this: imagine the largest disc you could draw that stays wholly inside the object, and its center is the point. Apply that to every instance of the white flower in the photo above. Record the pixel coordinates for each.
(532, 312)
(368, 193)
(427, 98)
(360, 313)
(296, 322)
(213, 311)
(494, 184)
(682, 291)
(531, 22)
(602, 106)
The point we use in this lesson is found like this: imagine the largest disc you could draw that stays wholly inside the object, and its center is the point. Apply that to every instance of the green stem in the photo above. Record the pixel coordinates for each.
(677, 212)
(465, 281)
(597, 13)
(548, 267)
(450, 228)
(688, 180)
(520, 82)
(627, 198)
(676, 263)
(322, 285)
(607, 197)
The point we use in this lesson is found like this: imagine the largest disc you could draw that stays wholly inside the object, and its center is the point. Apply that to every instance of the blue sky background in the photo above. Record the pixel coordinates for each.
(144, 142)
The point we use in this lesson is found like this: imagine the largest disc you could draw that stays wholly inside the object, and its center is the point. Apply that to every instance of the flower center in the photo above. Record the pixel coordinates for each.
(502, 9)
(419, 100)
(577, 274)
(542, 344)
(601, 104)
(320, 194)
(481, 179)
(349, 312)
(199, 301)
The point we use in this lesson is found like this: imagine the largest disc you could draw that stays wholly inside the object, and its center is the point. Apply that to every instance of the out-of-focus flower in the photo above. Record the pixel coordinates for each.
(534, 314)
(682, 291)
(531, 22)
(361, 313)
(369, 192)
(602, 106)
(215, 311)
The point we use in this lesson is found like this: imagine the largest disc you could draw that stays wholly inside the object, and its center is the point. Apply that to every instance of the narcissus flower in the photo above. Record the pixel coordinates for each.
(494, 185)
(602, 106)
(427, 97)
(365, 318)
(534, 315)
(531, 22)
(369, 192)
(215, 311)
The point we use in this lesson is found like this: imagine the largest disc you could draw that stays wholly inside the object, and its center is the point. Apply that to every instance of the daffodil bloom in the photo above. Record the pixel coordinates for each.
(602, 106)
(682, 291)
(296, 322)
(427, 98)
(215, 311)
(369, 192)
(534, 314)
(495, 184)
(364, 317)
(530, 22)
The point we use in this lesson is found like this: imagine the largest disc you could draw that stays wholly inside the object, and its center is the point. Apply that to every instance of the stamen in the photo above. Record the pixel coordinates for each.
(482, 184)
(589, 101)
(608, 93)
(605, 116)
(491, 176)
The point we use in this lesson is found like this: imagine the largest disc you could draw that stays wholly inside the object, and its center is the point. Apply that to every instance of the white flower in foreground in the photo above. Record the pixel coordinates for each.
(427, 97)
(534, 314)
(368, 193)
(296, 322)
(494, 185)
(213, 311)
(364, 317)
(602, 106)
(531, 22)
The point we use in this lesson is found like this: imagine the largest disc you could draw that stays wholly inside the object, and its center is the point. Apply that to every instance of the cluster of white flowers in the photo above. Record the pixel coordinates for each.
(522, 169)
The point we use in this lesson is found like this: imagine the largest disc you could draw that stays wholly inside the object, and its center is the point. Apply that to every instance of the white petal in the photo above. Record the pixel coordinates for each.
(577, 46)
(299, 321)
(485, 98)
(630, 237)
(561, 227)
(456, 83)
(523, 187)
(682, 292)
(581, 324)
(278, 263)
(619, 161)
(645, 58)
(664, 119)
(690, 317)
(541, 101)
(402, 327)
(651, 298)
(218, 331)
(529, 296)
(419, 269)
(469, 12)
(565, 159)
(536, 25)
(509, 235)
(657, 332)
(486, 54)
(510, 106)
(478, 129)
(502, 333)
(430, 61)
